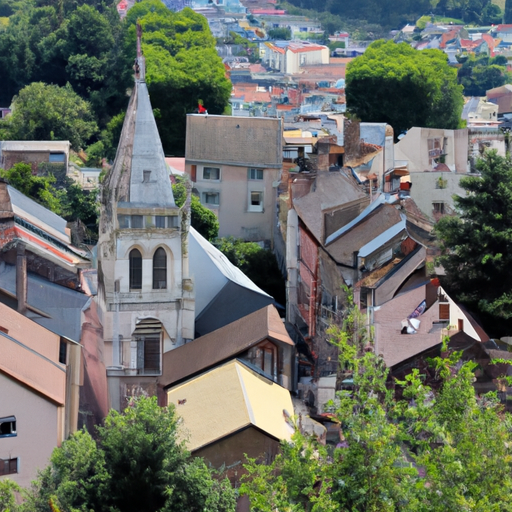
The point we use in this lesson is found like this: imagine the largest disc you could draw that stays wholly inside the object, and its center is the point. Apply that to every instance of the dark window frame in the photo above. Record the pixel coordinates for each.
(135, 269)
(149, 355)
(8, 427)
(9, 466)
(160, 269)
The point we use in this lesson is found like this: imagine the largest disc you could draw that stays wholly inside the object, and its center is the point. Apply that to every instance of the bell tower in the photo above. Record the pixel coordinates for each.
(144, 288)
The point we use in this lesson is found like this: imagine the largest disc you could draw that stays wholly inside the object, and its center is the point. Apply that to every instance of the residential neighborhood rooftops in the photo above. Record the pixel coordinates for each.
(224, 343)
(228, 399)
(330, 190)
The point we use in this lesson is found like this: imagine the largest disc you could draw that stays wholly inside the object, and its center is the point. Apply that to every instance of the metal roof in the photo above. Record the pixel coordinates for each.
(228, 399)
(28, 209)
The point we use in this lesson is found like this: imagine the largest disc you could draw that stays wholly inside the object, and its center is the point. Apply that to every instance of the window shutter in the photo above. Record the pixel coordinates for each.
(444, 311)
(140, 354)
(152, 355)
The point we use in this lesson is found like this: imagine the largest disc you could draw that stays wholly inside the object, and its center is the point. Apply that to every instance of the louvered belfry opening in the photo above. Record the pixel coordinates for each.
(159, 269)
(148, 335)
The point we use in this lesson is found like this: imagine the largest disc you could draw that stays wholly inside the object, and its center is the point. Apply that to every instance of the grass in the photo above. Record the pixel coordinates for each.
(500, 4)
(422, 22)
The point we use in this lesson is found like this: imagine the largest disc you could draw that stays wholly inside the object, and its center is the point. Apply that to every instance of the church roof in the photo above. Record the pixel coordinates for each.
(139, 172)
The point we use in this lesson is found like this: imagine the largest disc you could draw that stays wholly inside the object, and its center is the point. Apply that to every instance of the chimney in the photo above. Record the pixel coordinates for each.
(21, 278)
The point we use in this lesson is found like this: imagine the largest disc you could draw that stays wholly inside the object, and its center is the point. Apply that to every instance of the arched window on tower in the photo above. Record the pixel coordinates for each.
(159, 269)
(135, 269)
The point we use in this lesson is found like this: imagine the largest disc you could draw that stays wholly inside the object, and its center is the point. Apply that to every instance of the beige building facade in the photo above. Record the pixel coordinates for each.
(235, 164)
(425, 148)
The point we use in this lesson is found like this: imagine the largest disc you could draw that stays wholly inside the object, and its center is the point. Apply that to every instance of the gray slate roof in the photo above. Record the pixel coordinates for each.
(61, 304)
(46, 217)
(251, 141)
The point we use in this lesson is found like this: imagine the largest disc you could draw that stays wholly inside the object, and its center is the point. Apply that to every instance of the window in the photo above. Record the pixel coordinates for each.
(8, 466)
(438, 207)
(211, 173)
(255, 201)
(264, 356)
(8, 427)
(150, 221)
(159, 269)
(135, 270)
(173, 221)
(137, 221)
(63, 352)
(148, 355)
(211, 198)
(255, 174)
(57, 158)
(124, 221)
(146, 176)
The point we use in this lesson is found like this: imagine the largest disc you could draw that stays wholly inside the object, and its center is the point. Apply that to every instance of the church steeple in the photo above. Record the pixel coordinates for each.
(139, 174)
(144, 289)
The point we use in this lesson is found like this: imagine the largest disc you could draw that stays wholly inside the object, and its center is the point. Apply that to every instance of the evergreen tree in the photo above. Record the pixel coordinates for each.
(507, 15)
(477, 243)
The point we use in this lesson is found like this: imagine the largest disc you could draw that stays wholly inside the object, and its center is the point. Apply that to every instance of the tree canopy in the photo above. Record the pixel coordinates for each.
(137, 463)
(477, 243)
(396, 84)
(433, 450)
(68, 200)
(182, 67)
(50, 112)
(479, 74)
(201, 218)
(393, 14)
(258, 264)
(87, 46)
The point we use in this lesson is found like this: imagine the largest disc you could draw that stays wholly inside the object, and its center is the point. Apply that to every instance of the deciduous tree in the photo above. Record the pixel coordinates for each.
(427, 451)
(404, 87)
(138, 463)
(201, 218)
(49, 112)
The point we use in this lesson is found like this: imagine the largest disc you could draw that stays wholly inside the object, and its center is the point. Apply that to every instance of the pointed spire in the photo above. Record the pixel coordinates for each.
(140, 61)
(139, 173)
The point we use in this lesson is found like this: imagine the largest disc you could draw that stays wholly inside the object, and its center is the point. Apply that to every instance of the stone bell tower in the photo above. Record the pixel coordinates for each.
(144, 288)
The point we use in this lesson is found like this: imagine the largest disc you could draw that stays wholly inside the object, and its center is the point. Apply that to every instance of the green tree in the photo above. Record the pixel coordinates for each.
(182, 64)
(138, 463)
(421, 452)
(201, 218)
(507, 15)
(77, 203)
(258, 264)
(7, 497)
(280, 33)
(398, 85)
(478, 75)
(477, 243)
(60, 42)
(38, 188)
(49, 112)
